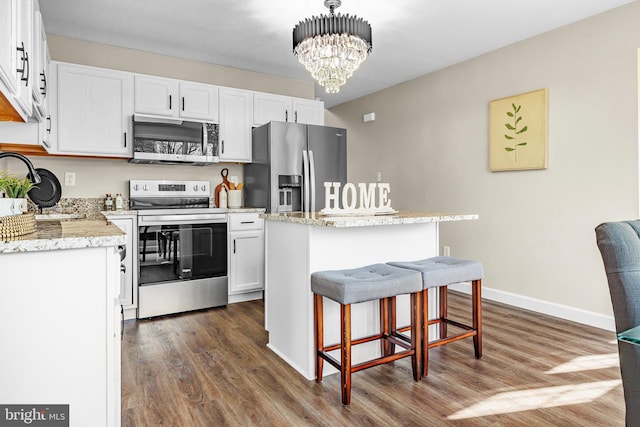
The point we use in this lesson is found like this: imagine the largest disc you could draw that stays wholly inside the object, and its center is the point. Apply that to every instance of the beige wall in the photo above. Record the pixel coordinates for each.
(99, 55)
(535, 234)
(96, 177)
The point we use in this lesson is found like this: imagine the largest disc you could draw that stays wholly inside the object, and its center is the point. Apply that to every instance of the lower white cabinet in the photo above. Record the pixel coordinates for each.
(128, 277)
(60, 325)
(246, 253)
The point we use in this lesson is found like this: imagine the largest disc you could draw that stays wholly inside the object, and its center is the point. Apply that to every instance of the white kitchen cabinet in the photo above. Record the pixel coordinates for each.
(236, 118)
(246, 253)
(156, 96)
(94, 111)
(128, 278)
(198, 101)
(268, 107)
(8, 42)
(66, 348)
(176, 99)
(41, 62)
(308, 111)
(16, 56)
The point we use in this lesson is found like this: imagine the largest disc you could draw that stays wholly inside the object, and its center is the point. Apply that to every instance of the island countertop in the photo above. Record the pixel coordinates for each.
(337, 221)
(65, 234)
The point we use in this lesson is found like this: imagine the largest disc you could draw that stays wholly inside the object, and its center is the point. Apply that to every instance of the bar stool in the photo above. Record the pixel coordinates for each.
(439, 272)
(346, 287)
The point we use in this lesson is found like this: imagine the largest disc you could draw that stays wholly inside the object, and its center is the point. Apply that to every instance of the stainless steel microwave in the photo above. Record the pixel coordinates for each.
(174, 141)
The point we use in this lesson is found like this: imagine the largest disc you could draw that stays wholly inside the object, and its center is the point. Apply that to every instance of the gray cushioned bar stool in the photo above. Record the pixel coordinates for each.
(346, 287)
(439, 272)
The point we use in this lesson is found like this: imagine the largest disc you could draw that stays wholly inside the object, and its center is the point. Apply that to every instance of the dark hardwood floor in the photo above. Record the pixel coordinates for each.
(212, 368)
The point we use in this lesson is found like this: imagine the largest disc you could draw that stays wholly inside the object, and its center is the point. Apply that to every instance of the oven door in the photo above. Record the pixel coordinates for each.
(182, 263)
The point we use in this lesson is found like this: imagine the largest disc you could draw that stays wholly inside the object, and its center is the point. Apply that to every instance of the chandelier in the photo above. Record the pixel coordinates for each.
(332, 47)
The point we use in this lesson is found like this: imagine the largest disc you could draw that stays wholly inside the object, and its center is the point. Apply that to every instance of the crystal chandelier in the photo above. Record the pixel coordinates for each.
(332, 47)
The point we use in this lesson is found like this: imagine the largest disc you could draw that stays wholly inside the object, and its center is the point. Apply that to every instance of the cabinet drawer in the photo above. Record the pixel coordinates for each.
(245, 221)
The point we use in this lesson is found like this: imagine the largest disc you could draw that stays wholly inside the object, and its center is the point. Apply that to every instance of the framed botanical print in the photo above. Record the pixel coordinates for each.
(518, 129)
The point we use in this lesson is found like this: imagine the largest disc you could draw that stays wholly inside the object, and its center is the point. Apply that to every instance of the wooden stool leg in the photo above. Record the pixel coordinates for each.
(384, 326)
(477, 316)
(425, 332)
(443, 311)
(416, 341)
(345, 353)
(392, 323)
(319, 329)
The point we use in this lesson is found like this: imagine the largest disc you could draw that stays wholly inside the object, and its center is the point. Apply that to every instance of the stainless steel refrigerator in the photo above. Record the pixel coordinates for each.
(291, 162)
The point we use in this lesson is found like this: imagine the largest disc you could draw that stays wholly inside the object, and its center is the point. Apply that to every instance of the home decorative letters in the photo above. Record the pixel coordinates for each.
(362, 198)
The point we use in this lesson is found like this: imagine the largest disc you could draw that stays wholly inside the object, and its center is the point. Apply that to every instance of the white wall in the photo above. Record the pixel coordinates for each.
(535, 234)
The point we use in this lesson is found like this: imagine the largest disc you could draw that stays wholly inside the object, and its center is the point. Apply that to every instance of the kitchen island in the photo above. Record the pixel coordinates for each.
(60, 319)
(298, 244)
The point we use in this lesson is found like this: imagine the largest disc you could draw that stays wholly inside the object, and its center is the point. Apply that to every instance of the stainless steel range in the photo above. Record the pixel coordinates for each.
(182, 247)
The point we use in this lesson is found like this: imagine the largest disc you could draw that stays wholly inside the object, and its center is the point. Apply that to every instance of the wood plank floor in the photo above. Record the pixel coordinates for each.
(212, 368)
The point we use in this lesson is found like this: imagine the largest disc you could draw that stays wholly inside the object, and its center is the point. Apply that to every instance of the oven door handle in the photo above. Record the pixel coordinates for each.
(181, 219)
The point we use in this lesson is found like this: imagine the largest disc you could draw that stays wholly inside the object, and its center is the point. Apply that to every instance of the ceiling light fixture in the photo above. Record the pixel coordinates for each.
(332, 47)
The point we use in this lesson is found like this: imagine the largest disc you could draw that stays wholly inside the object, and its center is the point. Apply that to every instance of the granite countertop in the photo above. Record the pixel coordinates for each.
(247, 210)
(402, 217)
(65, 234)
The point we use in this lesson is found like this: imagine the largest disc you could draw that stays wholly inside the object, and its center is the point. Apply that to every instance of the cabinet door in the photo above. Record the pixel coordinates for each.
(8, 37)
(155, 95)
(268, 107)
(246, 261)
(198, 101)
(40, 55)
(308, 111)
(236, 110)
(94, 111)
(25, 57)
(126, 277)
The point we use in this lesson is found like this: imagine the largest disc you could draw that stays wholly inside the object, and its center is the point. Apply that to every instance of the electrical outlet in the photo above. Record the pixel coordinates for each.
(70, 179)
(379, 176)
(446, 251)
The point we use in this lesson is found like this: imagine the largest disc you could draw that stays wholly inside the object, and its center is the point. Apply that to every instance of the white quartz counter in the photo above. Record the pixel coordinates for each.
(402, 217)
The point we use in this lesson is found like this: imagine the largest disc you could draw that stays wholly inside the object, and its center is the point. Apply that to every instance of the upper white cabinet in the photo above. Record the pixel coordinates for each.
(26, 58)
(236, 118)
(308, 111)
(198, 101)
(95, 107)
(8, 41)
(16, 56)
(268, 107)
(173, 98)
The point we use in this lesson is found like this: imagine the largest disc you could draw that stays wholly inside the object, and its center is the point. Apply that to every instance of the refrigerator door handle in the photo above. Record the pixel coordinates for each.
(312, 173)
(305, 171)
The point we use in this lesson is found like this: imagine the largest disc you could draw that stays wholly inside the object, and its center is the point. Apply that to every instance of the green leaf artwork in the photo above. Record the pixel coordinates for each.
(514, 135)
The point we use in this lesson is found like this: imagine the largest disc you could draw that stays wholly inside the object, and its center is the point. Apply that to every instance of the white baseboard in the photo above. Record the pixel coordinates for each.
(566, 312)
(249, 296)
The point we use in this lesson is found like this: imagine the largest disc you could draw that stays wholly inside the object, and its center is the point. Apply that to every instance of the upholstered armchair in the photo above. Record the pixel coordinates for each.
(619, 244)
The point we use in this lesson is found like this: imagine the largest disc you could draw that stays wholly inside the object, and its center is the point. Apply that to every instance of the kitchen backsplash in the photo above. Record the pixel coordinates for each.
(90, 208)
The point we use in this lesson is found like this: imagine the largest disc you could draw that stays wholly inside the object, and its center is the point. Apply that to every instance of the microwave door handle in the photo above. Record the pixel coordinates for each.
(305, 172)
(312, 175)
(204, 138)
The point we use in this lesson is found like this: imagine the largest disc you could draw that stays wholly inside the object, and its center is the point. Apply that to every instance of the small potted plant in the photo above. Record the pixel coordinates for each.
(14, 190)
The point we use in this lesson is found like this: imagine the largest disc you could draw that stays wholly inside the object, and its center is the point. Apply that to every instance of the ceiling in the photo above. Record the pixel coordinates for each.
(410, 37)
